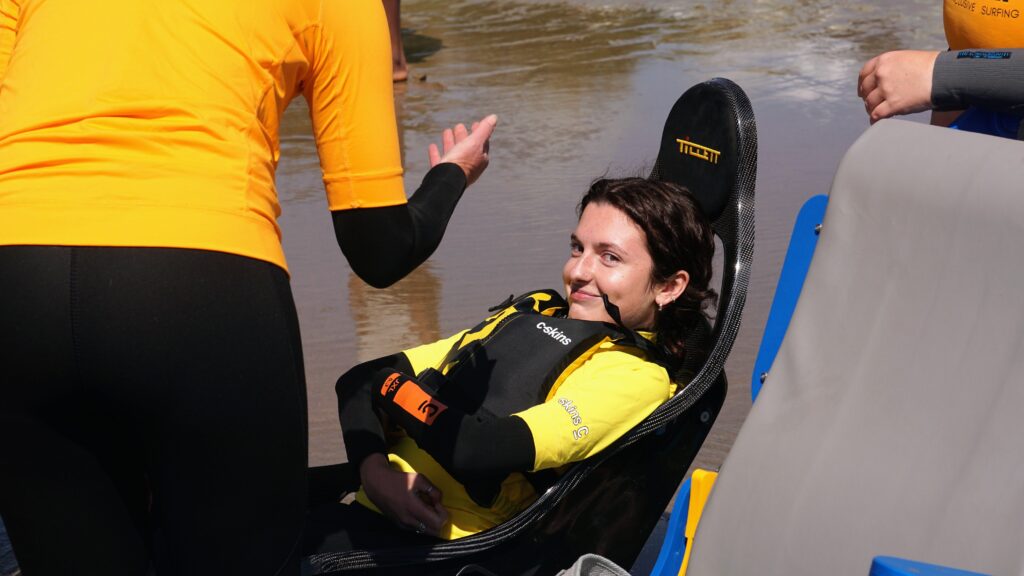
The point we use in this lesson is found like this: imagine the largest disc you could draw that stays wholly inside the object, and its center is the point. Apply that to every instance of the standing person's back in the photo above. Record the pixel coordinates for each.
(152, 392)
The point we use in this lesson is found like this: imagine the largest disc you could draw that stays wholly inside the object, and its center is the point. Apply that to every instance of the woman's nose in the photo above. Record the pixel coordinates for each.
(581, 268)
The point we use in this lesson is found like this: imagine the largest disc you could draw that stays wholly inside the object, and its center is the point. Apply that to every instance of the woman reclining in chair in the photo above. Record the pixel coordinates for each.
(455, 437)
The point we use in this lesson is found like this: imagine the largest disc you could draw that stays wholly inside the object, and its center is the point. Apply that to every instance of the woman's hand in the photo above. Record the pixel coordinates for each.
(409, 500)
(469, 149)
(897, 82)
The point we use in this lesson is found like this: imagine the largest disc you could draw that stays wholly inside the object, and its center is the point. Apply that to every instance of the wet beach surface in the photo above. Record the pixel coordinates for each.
(582, 88)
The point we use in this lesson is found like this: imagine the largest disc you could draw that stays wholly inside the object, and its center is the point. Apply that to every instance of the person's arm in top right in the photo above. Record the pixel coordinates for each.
(992, 79)
(908, 81)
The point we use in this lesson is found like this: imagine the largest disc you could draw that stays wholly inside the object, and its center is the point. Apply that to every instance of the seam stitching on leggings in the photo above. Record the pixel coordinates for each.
(291, 320)
(73, 297)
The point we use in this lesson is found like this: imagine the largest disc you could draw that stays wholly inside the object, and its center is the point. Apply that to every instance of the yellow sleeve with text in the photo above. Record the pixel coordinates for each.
(599, 402)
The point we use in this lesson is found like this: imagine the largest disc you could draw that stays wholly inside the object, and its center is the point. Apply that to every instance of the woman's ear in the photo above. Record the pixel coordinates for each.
(670, 289)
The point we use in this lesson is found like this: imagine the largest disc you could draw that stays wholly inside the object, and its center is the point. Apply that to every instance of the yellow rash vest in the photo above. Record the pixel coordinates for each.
(155, 123)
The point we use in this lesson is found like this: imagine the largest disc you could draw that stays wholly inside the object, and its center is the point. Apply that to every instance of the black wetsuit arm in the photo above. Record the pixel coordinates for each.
(469, 447)
(361, 428)
(384, 244)
(991, 79)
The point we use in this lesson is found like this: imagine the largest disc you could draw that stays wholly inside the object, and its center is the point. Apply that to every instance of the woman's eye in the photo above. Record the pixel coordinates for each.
(575, 248)
(611, 257)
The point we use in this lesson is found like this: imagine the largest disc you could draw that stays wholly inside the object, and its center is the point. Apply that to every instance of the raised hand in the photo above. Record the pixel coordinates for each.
(470, 149)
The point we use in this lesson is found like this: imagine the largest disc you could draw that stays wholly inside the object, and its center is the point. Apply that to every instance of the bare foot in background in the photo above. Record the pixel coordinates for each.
(399, 67)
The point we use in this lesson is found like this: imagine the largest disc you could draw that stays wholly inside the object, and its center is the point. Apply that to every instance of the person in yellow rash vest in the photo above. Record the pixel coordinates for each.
(978, 85)
(152, 396)
(640, 259)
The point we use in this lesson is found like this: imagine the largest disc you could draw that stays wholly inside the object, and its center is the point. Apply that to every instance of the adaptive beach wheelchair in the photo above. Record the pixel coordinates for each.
(610, 503)
(887, 435)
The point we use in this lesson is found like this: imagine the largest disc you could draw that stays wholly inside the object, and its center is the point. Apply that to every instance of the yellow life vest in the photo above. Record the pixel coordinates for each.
(515, 359)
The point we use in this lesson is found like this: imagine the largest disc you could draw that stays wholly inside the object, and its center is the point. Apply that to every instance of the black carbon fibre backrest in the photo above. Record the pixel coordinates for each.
(710, 146)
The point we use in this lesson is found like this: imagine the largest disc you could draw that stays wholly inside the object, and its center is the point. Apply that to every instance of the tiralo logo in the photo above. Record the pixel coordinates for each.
(697, 151)
(554, 333)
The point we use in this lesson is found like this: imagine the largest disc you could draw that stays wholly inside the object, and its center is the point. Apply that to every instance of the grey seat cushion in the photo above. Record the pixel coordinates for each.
(892, 422)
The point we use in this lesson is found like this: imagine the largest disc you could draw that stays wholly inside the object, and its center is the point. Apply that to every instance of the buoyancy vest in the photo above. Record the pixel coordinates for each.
(517, 358)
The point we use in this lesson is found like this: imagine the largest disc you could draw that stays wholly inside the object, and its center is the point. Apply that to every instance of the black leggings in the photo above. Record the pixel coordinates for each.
(152, 412)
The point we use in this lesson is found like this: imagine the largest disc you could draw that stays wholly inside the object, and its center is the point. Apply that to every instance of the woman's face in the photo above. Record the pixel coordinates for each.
(609, 256)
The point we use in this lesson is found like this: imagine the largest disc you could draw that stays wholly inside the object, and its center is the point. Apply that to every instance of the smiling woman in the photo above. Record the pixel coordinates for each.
(493, 413)
(636, 233)
(609, 257)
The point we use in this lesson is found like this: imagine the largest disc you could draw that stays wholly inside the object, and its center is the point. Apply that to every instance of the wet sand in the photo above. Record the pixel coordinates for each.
(582, 88)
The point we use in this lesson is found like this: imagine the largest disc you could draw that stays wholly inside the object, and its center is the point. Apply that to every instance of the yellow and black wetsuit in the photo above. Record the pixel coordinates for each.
(598, 394)
(152, 405)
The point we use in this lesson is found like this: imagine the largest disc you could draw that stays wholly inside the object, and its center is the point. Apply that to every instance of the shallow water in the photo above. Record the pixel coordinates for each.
(582, 88)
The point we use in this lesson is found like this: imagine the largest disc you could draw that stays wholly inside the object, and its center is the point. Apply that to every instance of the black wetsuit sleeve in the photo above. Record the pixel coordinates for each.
(361, 428)
(469, 447)
(384, 244)
(991, 79)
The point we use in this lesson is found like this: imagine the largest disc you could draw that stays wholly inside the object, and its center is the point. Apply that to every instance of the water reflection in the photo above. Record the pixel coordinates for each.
(401, 317)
